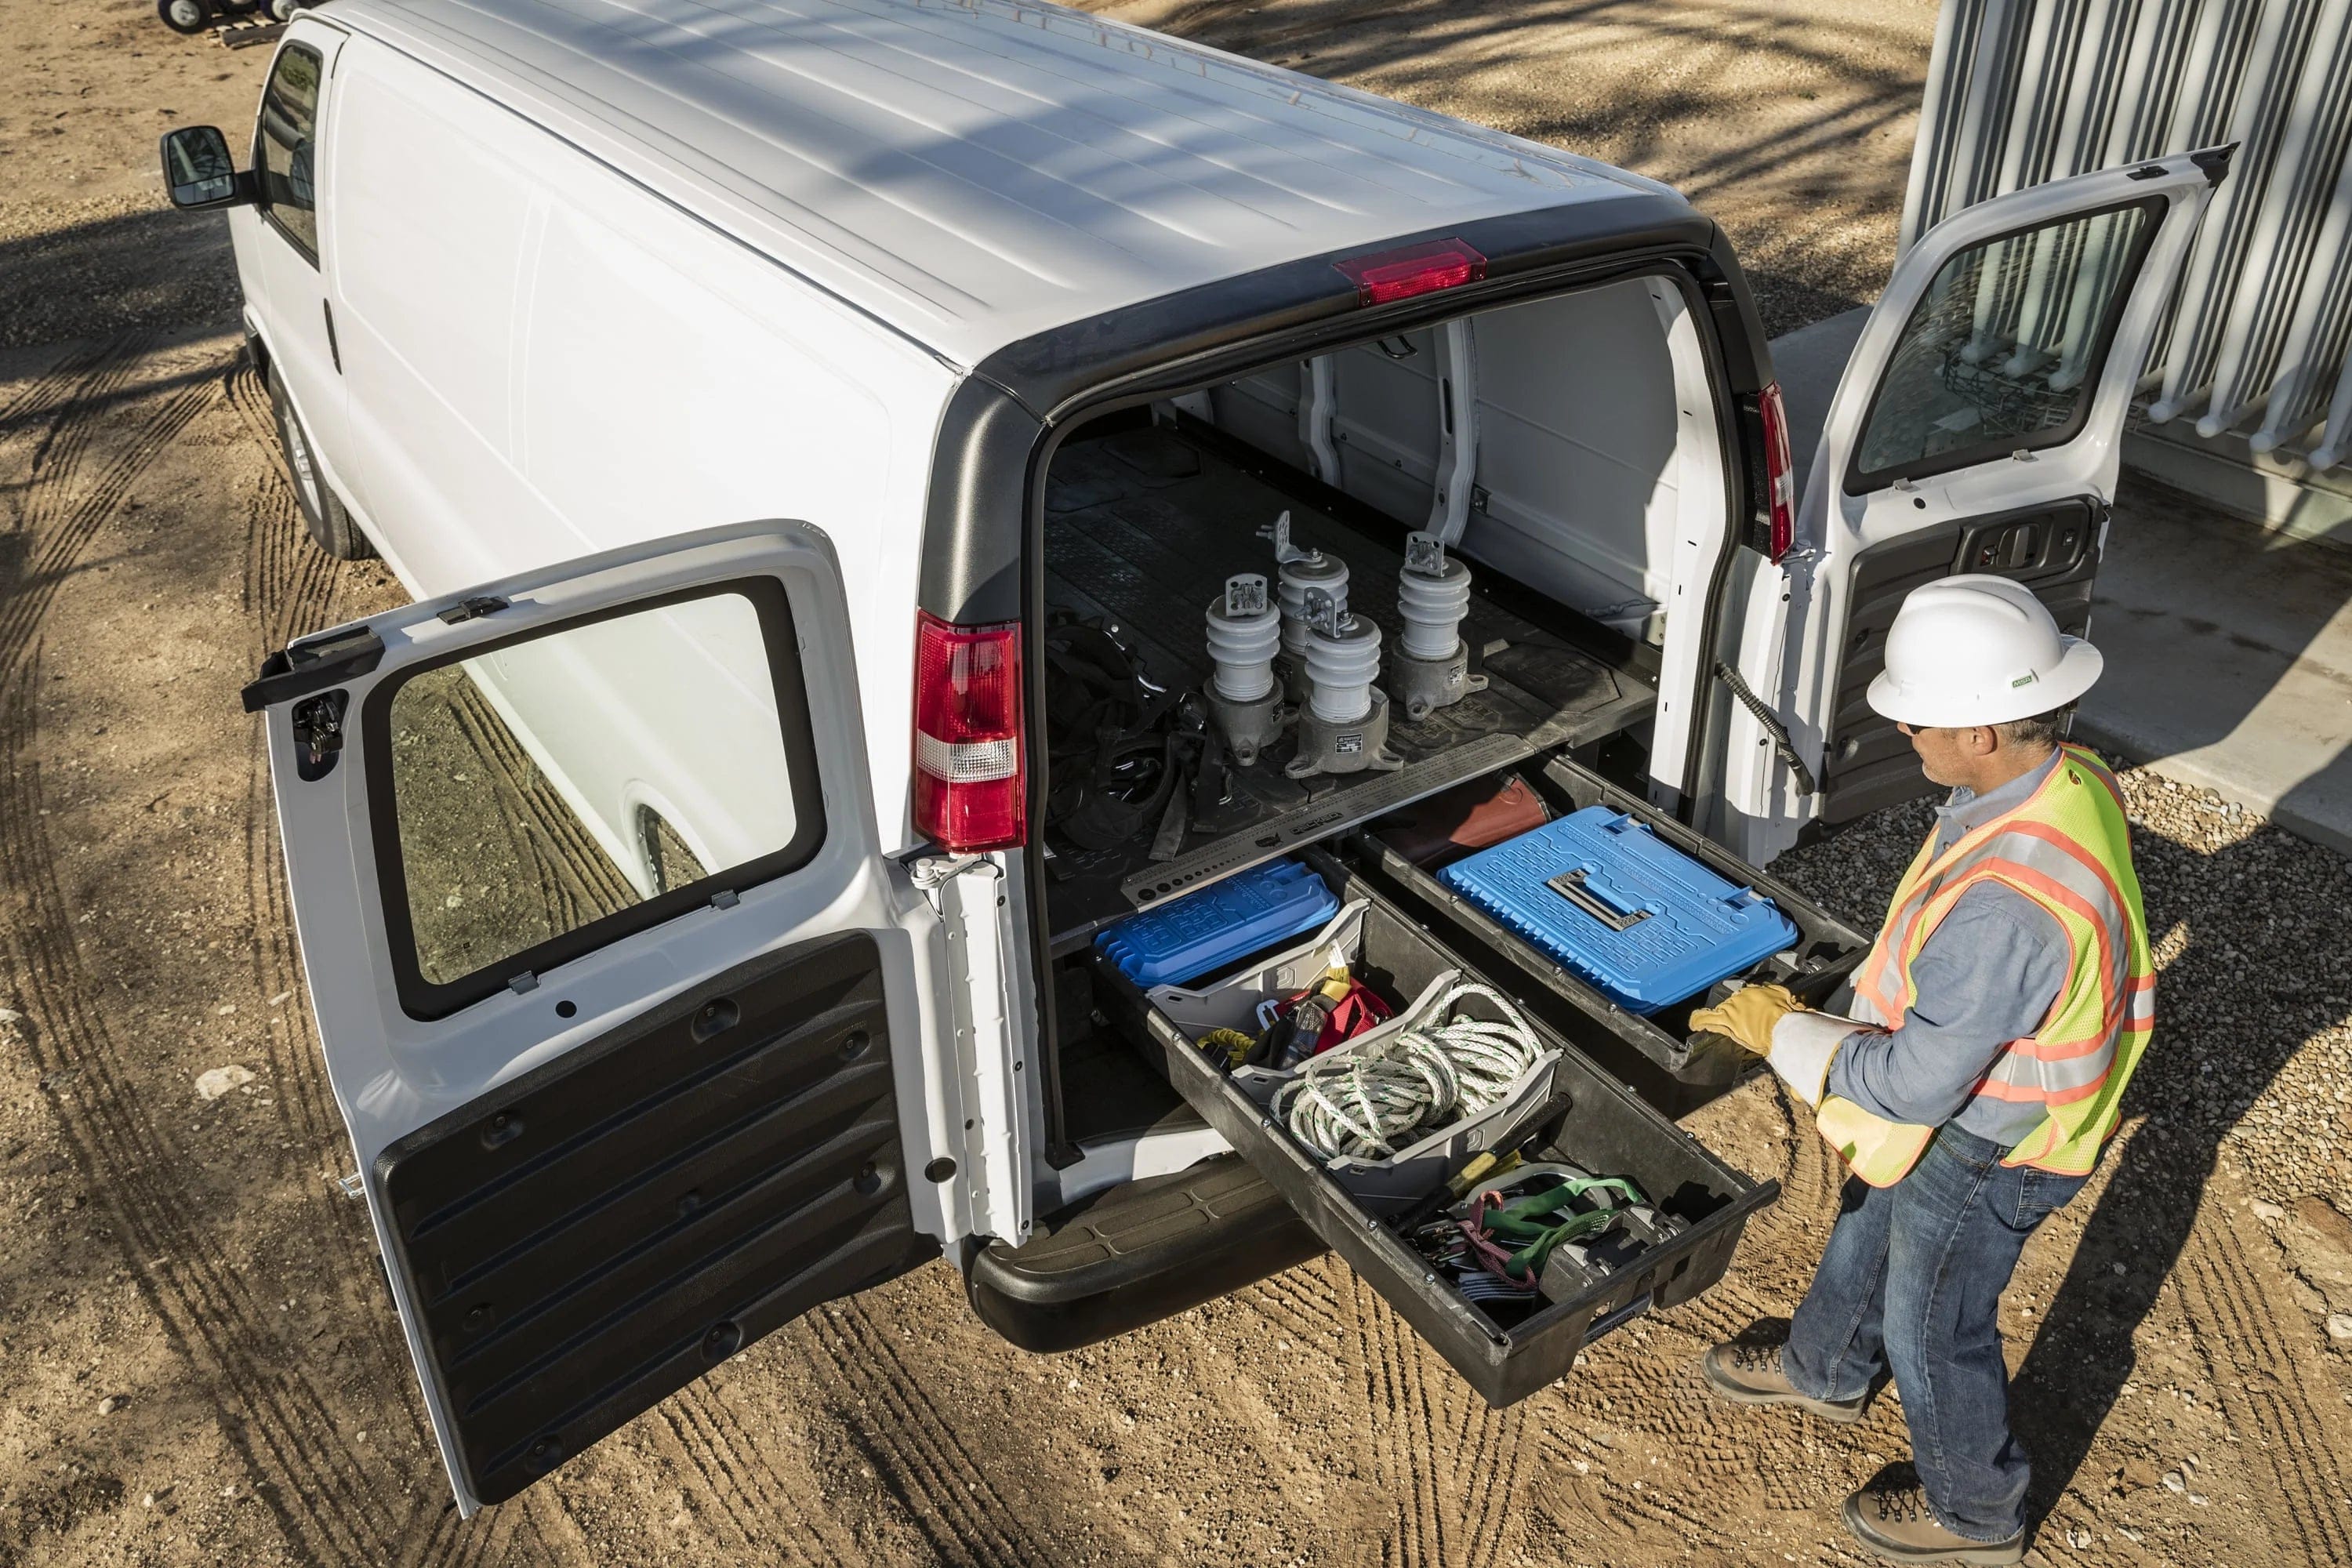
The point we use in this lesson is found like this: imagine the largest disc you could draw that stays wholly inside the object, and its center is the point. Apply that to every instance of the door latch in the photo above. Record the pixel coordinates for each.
(318, 731)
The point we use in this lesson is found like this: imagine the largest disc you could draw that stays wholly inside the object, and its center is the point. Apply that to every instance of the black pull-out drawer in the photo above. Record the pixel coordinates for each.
(1593, 1121)
(1656, 1051)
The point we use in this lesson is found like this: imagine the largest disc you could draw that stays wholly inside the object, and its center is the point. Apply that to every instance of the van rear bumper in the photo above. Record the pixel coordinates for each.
(1136, 1253)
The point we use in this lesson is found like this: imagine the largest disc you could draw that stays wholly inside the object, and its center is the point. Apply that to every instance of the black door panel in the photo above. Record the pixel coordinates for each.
(2055, 550)
(599, 1233)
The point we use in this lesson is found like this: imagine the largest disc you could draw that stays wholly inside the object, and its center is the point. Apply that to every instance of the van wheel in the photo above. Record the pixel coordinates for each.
(282, 10)
(329, 525)
(185, 15)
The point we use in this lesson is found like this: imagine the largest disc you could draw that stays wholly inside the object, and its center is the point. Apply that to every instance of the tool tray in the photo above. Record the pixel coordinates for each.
(1602, 893)
(1591, 1120)
(1654, 1051)
(1383, 1186)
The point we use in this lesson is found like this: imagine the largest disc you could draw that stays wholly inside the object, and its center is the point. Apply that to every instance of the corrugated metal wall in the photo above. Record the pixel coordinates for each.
(2025, 91)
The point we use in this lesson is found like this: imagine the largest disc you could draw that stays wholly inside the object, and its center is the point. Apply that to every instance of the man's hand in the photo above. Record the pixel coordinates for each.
(1747, 1015)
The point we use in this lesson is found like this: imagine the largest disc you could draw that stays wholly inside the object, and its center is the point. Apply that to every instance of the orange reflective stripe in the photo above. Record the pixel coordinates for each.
(2051, 891)
(2032, 1094)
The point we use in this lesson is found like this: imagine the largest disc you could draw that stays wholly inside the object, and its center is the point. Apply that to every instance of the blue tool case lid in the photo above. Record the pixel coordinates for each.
(1602, 895)
(1222, 922)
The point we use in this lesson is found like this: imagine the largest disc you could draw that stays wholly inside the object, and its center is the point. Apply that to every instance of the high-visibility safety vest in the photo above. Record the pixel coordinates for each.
(2068, 848)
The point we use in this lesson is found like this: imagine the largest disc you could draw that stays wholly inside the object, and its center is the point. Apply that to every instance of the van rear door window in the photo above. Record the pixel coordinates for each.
(551, 795)
(286, 148)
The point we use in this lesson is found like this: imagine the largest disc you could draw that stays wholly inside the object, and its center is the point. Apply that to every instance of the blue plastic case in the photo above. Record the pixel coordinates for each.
(1222, 922)
(1609, 899)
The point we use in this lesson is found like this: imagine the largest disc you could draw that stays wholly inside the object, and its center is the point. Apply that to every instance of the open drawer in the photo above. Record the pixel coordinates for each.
(1826, 952)
(1590, 1121)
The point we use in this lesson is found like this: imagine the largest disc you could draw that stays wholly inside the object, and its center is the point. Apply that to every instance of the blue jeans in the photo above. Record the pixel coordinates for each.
(1910, 1284)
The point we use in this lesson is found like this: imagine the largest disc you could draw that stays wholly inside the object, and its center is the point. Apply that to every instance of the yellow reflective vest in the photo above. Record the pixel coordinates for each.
(2068, 848)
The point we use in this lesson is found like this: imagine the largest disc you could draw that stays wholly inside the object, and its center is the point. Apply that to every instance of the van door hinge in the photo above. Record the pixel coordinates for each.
(991, 1070)
(317, 725)
(472, 609)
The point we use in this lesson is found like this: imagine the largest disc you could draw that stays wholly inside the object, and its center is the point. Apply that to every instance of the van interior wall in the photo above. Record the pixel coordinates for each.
(1577, 490)
(1576, 425)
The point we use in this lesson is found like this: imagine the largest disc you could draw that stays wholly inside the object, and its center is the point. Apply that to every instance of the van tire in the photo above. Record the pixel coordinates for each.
(323, 514)
(189, 16)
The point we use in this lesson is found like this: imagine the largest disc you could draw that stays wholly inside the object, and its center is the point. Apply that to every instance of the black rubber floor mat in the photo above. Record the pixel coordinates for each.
(1143, 528)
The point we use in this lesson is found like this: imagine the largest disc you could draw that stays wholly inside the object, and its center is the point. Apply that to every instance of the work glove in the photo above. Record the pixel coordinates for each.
(1798, 1042)
(1747, 1015)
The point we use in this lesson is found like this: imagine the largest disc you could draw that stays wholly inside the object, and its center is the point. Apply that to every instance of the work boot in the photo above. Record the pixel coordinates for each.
(1747, 1371)
(1890, 1516)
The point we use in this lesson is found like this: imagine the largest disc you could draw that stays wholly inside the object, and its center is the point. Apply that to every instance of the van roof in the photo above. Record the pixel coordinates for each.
(973, 172)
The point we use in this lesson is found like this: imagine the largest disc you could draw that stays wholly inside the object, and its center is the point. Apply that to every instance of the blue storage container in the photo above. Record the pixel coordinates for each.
(1605, 897)
(1189, 937)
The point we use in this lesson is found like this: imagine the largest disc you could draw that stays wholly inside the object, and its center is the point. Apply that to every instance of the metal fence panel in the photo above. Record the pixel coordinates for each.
(2020, 91)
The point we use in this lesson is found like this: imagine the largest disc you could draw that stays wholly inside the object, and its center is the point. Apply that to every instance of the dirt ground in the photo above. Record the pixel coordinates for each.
(198, 1360)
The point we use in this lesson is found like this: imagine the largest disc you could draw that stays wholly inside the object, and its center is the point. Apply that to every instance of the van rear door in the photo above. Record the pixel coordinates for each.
(1977, 427)
(620, 1001)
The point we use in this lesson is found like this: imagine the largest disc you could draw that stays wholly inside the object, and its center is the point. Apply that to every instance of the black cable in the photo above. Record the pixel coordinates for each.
(1777, 731)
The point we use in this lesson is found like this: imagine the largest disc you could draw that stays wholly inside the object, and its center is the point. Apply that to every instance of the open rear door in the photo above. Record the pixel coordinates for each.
(1977, 427)
(617, 995)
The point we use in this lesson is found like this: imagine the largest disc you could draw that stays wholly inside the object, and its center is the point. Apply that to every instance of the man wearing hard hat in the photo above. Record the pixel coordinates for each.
(1992, 1028)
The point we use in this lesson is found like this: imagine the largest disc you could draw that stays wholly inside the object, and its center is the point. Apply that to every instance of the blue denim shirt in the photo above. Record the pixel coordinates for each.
(1988, 974)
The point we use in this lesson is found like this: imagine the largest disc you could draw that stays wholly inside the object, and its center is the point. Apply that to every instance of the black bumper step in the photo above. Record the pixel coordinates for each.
(1136, 1253)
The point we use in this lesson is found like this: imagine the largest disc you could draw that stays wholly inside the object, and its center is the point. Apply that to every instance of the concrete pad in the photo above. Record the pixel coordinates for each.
(2229, 647)
(1808, 362)
(2229, 659)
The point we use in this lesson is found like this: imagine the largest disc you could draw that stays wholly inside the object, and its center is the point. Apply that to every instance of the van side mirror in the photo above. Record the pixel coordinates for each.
(198, 170)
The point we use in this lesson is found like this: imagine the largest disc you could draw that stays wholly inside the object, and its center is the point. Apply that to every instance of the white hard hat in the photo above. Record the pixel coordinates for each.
(1978, 650)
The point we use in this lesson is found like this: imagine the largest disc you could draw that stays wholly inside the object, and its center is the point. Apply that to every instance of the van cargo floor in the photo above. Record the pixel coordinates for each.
(1141, 530)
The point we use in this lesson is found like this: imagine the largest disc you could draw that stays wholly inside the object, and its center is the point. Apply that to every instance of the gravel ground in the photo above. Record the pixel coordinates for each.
(2254, 1045)
(198, 1362)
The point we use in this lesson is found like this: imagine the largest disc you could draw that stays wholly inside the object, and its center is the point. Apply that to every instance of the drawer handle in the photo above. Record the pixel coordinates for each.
(1570, 885)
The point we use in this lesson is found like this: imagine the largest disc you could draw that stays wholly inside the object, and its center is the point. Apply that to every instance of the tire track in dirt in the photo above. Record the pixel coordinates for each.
(281, 1423)
(203, 1300)
(916, 1451)
(710, 1441)
(1455, 1469)
(289, 588)
(58, 512)
(2257, 1371)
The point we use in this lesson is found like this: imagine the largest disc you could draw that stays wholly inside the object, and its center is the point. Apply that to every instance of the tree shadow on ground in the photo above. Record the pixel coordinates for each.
(157, 268)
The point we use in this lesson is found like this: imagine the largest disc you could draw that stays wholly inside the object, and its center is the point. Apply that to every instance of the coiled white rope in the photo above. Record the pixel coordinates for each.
(1365, 1104)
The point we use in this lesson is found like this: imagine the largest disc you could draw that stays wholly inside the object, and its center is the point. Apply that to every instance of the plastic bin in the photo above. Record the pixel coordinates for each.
(1593, 1120)
(1203, 931)
(1383, 1186)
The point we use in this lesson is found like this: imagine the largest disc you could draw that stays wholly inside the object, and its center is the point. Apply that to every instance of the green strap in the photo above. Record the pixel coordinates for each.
(1523, 1220)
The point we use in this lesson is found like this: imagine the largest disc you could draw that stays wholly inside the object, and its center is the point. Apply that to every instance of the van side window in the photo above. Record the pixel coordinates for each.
(285, 150)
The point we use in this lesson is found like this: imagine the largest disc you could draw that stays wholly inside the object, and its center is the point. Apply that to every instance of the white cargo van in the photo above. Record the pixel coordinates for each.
(814, 436)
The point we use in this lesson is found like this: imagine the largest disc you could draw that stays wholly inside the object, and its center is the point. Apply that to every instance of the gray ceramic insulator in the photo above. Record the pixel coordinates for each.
(1313, 570)
(1340, 668)
(1433, 605)
(1245, 629)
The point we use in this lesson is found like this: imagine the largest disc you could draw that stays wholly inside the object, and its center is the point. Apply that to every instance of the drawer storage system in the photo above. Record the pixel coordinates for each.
(1588, 1120)
(1655, 1049)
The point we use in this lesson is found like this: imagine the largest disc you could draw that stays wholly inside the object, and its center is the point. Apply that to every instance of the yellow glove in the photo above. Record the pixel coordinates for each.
(1747, 1015)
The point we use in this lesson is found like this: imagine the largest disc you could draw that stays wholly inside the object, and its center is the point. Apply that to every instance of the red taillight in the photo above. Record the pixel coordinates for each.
(1779, 472)
(1415, 269)
(971, 787)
